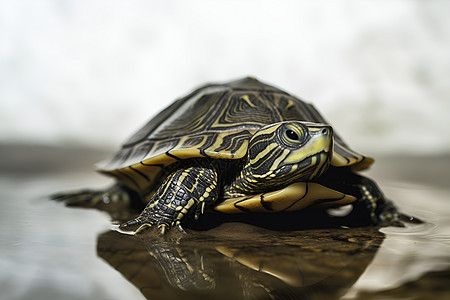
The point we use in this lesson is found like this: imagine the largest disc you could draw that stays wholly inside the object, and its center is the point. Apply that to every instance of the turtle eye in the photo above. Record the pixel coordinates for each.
(293, 135)
(290, 134)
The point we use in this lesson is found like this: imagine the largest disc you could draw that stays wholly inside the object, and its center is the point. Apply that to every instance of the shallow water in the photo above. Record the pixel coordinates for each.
(49, 251)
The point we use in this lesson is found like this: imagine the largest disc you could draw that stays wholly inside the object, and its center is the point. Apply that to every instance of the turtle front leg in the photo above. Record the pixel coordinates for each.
(371, 201)
(185, 192)
(371, 206)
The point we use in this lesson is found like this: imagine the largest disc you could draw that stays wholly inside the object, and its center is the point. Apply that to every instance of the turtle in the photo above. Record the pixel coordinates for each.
(240, 147)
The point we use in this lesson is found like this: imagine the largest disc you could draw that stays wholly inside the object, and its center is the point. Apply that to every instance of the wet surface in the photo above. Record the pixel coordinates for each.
(49, 251)
(239, 261)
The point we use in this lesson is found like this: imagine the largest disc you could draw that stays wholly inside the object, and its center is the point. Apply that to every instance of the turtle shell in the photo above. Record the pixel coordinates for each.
(214, 121)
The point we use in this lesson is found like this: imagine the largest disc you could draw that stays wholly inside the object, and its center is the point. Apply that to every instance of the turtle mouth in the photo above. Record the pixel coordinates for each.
(317, 158)
(308, 168)
(320, 155)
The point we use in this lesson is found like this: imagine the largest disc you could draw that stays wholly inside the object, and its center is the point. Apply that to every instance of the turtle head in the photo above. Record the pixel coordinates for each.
(290, 151)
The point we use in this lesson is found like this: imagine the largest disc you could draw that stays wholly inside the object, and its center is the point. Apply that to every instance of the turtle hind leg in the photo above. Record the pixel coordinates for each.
(188, 191)
(115, 197)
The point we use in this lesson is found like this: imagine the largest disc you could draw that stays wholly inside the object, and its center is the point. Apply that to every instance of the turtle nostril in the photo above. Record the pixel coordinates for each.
(324, 131)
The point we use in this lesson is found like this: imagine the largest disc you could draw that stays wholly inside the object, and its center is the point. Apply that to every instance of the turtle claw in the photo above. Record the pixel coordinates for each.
(145, 224)
(180, 228)
(139, 221)
(200, 210)
(163, 228)
(131, 223)
(143, 227)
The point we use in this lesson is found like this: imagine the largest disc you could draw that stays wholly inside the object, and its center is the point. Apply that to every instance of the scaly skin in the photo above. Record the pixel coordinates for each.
(371, 206)
(188, 190)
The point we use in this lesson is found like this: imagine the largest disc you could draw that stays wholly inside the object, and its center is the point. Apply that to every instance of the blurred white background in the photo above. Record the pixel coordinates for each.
(92, 72)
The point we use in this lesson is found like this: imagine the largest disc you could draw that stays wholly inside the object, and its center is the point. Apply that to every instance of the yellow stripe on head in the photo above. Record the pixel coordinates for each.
(290, 148)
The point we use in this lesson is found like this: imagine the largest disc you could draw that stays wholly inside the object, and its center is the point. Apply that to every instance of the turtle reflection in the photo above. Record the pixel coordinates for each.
(259, 264)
